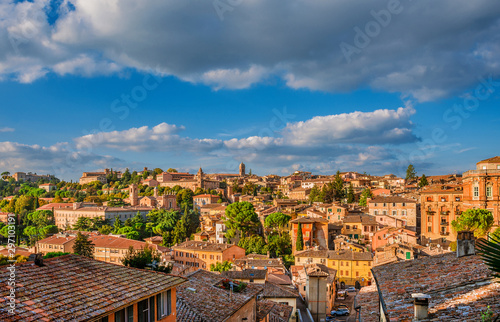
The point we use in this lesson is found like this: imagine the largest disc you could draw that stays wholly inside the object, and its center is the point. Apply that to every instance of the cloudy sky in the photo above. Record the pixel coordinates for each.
(284, 85)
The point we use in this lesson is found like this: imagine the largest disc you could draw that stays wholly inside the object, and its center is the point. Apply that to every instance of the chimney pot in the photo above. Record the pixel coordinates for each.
(421, 306)
(465, 243)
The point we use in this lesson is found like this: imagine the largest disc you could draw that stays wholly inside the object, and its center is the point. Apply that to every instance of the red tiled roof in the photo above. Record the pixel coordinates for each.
(57, 240)
(206, 196)
(19, 250)
(280, 279)
(56, 205)
(116, 242)
(76, 288)
(460, 288)
(277, 312)
(201, 300)
(490, 160)
(272, 290)
(203, 245)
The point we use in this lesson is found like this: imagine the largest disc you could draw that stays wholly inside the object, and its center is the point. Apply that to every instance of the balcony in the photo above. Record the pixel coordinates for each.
(445, 233)
(444, 223)
(430, 213)
(445, 213)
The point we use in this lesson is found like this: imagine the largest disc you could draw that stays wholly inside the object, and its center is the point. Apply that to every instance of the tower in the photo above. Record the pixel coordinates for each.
(199, 178)
(133, 195)
(242, 169)
(156, 192)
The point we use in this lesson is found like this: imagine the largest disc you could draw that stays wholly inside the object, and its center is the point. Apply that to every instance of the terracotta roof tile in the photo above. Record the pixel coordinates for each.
(200, 299)
(277, 312)
(77, 288)
(272, 290)
(460, 288)
(246, 274)
(206, 246)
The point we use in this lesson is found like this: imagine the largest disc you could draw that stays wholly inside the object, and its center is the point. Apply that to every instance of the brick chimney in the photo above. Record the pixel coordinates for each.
(421, 306)
(37, 258)
(465, 243)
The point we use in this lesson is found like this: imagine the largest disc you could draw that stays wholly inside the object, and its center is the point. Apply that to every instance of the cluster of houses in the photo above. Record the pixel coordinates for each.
(402, 233)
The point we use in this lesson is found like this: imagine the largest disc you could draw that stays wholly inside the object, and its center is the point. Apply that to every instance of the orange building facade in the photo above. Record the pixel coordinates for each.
(440, 206)
(482, 188)
(202, 254)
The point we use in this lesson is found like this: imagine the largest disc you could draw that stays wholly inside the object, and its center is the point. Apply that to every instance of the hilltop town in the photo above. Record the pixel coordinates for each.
(155, 245)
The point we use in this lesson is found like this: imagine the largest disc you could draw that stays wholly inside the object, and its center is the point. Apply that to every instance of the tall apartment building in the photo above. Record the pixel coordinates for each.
(406, 210)
(440, 206)
(482, 187)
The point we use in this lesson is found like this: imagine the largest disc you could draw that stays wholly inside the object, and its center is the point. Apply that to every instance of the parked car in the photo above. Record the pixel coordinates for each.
(351, 289)
(340, 311)
(341, 306)
(342, 295)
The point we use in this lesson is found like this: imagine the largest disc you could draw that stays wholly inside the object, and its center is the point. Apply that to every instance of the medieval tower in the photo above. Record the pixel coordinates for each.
(242, 169)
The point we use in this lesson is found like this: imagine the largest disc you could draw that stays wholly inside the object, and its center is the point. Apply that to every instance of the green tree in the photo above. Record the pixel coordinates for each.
(54, 254)
(350, 194)
(171, 170)
(5, 175)
(279, 245)
(24, 203)
(180, 232)
(367, 193)
(410, 173)
(117, 225)
(338, 184)
(106, 229)
(253, 245)
(126, 176)
(83, 224)
(185, 198)
(83, 246)
(221, 267)
(423, 181)
(144, 258)
(479, 221)
(277, 221)
(240, 216)
(158, 171)
(315, 195)
(299, 244)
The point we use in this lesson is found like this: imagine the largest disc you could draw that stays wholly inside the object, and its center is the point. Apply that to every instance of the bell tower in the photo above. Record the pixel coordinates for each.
(242, 169)
(133, 195)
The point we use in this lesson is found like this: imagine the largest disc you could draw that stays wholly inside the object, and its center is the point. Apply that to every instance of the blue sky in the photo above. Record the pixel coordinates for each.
(276, 93)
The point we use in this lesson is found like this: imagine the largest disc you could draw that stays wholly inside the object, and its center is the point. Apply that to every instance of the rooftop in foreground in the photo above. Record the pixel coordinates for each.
(76, 288)
(201, 299)
(460, 288)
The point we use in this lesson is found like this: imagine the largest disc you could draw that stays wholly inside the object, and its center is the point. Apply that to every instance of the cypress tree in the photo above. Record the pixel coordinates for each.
(299, 244)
